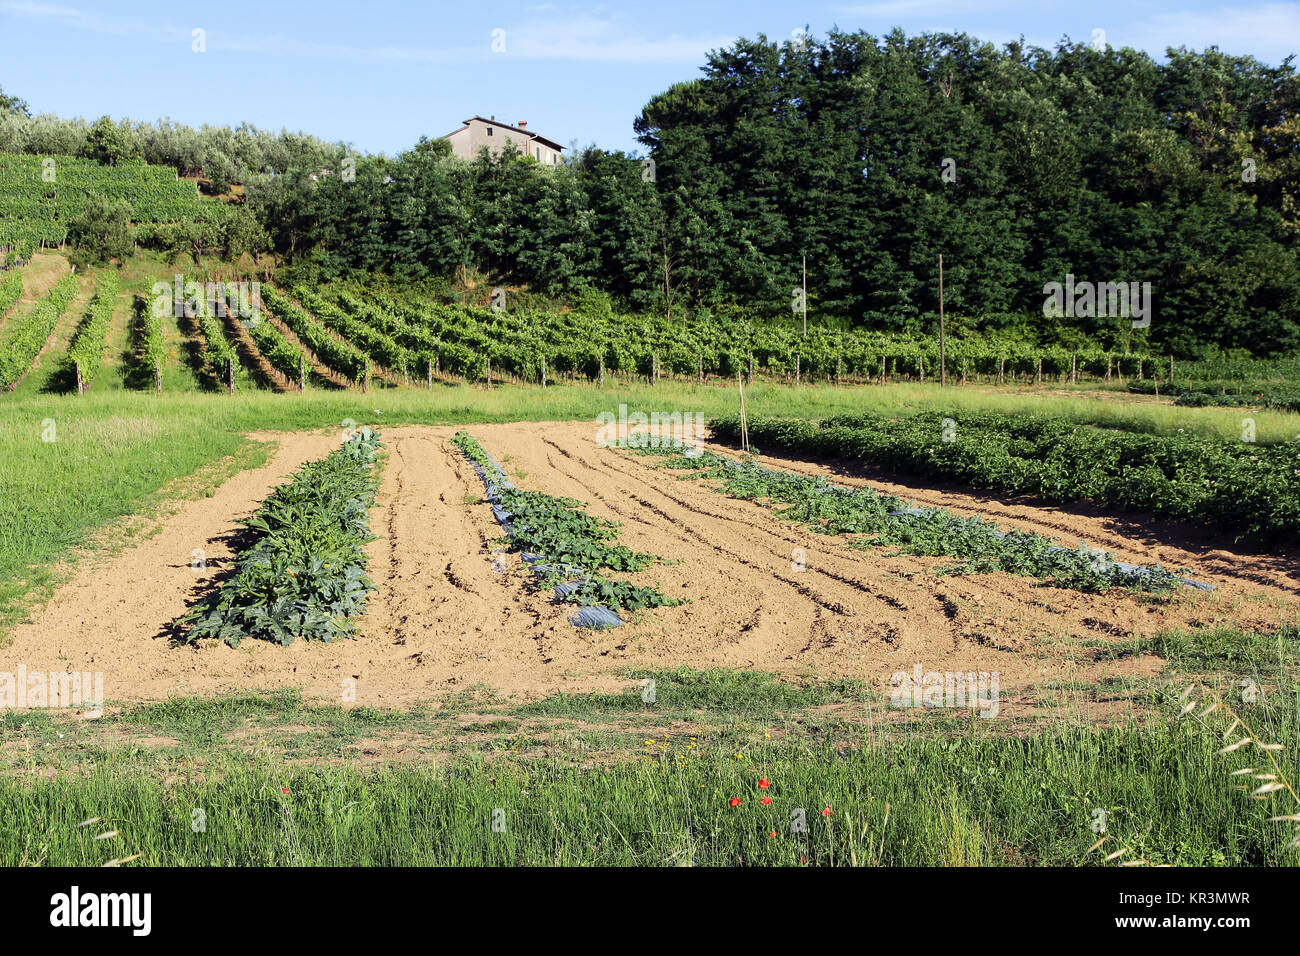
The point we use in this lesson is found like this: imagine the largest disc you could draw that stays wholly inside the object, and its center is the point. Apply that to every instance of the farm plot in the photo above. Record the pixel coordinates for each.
(756, 592)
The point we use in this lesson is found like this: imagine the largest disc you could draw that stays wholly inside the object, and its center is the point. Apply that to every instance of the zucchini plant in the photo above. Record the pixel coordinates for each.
(305, 573)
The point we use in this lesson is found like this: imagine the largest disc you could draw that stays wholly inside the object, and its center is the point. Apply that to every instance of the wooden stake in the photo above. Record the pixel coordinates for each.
(943, 365)
(744, 423)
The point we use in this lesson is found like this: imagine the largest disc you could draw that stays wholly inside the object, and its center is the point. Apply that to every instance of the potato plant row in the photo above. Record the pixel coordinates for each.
(1239, 487)
(304, 575)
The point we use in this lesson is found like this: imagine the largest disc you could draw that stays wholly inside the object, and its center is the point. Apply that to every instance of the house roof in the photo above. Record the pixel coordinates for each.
(527, 133)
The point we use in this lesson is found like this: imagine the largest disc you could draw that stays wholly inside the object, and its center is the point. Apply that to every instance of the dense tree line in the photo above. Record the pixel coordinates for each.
(1102, 164)
(870, 157)
(218, 153)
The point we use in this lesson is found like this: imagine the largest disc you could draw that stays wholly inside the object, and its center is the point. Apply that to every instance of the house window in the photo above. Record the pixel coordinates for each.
(489, 130)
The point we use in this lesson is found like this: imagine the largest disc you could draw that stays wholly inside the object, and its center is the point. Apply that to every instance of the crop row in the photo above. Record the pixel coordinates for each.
(583, 342)
(304, 575)
(10, 290)
(374, 343)
(566, 547)
(86, 353)
(880, 520)
(276, 349)
(219, 354)
(1278, 400)
(151, 343)
(26, 336)
(339, 356)
(1240, 487)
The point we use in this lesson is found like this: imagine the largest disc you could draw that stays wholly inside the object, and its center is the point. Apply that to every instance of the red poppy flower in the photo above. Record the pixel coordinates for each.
(734, 801)
(764, 784)
(772, 834)
(828, 812)
(766, 801)
(285, 789)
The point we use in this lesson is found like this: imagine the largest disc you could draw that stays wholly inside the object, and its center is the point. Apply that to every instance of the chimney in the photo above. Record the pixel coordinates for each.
(523, 124)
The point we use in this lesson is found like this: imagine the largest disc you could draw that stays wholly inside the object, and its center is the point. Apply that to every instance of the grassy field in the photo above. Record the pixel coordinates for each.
(598, 778)
(610, 779)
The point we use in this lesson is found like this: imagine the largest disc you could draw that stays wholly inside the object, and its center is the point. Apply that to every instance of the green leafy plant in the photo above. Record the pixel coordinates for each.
(572, 544)
(881, 520)
(305, 574)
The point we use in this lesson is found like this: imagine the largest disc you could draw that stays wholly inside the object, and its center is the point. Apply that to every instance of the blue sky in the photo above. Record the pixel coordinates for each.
(380, 74)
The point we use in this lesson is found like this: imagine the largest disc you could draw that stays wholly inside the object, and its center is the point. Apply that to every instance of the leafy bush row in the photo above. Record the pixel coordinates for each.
(10, 289)
(305, 574)
(573, 545)
(86, 352)
(1240, 487)
(1227, 394)
(1275, 399)
(26, 336)
(339, 356)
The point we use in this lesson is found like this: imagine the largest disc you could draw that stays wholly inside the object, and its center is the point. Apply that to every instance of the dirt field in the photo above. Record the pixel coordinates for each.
(443, 620)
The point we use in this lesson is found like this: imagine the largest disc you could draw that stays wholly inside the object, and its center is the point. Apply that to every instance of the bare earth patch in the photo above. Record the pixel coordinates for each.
(443, 620)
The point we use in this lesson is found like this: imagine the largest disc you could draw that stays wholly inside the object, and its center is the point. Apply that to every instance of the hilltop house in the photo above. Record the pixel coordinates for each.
(479, 132)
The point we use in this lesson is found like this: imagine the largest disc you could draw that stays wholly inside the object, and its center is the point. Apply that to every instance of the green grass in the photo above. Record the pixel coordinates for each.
(970, 795)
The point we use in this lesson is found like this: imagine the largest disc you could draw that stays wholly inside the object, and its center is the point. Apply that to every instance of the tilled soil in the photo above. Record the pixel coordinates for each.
(761, 594)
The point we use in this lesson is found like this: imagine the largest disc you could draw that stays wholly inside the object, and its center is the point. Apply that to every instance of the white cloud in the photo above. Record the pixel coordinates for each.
(1269, 32)
(580, 37)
